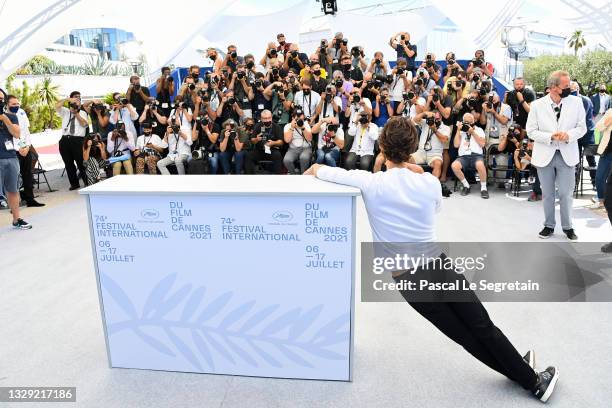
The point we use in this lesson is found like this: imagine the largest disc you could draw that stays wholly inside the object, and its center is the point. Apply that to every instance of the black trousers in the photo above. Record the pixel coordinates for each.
(469, 325)
(25, 168)
(71, 150)
(365, 162)
(254, 156)
(608, 197)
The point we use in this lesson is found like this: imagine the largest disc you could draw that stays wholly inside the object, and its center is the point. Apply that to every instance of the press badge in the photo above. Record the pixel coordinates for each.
(164, 105)
(267, 149)
(260, 106)
(8, 144)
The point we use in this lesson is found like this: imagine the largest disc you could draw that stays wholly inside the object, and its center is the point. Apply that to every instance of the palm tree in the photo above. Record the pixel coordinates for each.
(48, 94)
(576, 41)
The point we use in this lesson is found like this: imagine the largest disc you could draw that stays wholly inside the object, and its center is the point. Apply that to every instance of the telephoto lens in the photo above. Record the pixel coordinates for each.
(124, 101)
(300, 122)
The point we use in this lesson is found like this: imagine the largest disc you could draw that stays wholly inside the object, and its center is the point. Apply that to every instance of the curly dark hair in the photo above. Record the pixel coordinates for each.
(399, 139)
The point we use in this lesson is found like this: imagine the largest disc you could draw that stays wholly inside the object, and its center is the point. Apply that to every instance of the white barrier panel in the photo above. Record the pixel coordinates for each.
(246, 275)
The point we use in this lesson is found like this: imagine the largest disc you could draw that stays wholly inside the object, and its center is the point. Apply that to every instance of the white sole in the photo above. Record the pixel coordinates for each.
(543, 237)
(551, 387)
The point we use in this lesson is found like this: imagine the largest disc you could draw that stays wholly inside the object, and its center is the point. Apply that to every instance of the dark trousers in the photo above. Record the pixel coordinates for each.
(255, 156)
(25, 168)
(71, 150)
(469, 325)
(608, 197)
(365, 162)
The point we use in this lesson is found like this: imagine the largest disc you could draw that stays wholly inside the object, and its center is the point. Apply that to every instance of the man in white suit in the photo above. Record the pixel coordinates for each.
(555, 123)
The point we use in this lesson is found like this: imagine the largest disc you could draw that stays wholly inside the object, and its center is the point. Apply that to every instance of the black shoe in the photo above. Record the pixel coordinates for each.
(445, 190)
(465, 191)
(607, 248)
(484, 194)
(21, 224)
(34, 203)
(546, 233)
(530, 359)
(570, 234)
(74, 188)
(546, 384)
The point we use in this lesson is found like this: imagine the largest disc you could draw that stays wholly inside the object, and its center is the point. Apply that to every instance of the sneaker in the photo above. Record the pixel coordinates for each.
(21, 224)
(3, 205)
(530, 359)
(445, 190)
(465, 191)
(570, 234)
(546, 233)
(534, 197)
(74, 188)
(607, 248)
(595, 199)
(484, 194)
(34, 203)
(546, 384)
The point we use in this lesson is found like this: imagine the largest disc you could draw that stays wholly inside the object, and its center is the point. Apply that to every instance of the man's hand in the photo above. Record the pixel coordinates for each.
(415, 168)
(519, 97)
(312, 171)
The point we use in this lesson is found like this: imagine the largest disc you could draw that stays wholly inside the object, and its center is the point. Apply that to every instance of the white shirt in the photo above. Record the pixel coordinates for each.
(410, 110)
(330, 108)
(323, 130)
(123, 144)
(24, 126)
(297, 139)
(494, 127)
(307, 102)
(182, 119)
(363, 143)
(472, 146)
(401, 204)
(397, 88)
(127, 117)
(436, 144)
(176, 144)
(356, 109)
(154, 139)
(67, 116)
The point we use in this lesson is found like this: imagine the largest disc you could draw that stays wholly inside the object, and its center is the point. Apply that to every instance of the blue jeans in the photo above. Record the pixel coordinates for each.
(330, 158)
(603, 172)
(226, 161)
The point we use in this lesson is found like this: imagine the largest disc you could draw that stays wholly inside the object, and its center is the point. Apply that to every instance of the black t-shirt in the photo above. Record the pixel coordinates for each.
(293, 63)
(136, 99)
(5, 135)
(204, 141)
(95, 124)
(275, 132)
(402, 54)
(447, 102)
(318, 86)
(228, 112)
(158, 128)
(354, 73)
(519, 114)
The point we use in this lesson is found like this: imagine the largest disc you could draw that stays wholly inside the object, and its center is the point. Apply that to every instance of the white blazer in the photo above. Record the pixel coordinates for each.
(542, 123)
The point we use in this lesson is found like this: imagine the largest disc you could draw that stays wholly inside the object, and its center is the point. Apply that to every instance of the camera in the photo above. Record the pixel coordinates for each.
(400, 71)
(345, 41)
(389, 79)
(435, 97)
(233, 134)
(233, 54)
(451, 61)
(275, 72)
(273, 52)
(72, 105)
(153, 104)
(124, 101)
(179, 104)
(294, 54)
(408, 95)
(338, 82)
(191, 87)
(356, 98)
(490, 102)
(198, 154)
(240, 74)
(323, 45)
(202, 120)
(95, 139)
(98, 106)
(355, 51)
(258, 83)
(363, 118)
(465, 126)
(477, 61)
(120, 125)
(231, 100)
(419, 82)
(430, 120)
(476, 78)
(300, 122)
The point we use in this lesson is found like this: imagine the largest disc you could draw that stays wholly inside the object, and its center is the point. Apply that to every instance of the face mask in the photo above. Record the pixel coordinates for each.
(306, 91)
(147, 133)
(14, 109)
(575, 93)
(346, 67)
(266, 124)
(281, 42)
(213, 57)
(602, 90)
(250, 65)
(317, 72)
(565, 92)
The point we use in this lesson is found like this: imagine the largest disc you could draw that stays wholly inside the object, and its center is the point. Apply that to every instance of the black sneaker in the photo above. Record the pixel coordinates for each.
(546, 384)
(465, 191)
(34, 203)
(74, 188)
(607, 248)
(546, 233)
(530, 359)
(569, 233)
(21, 224)
(484, 194)
(445, 190)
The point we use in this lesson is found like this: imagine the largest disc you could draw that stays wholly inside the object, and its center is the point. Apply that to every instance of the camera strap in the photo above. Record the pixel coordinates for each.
(309, 102)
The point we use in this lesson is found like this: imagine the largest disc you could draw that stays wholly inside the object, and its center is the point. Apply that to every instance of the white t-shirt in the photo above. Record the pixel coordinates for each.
(323, 131)
(307, 102)
(436, 144)
(298, 139)
(177, 144)
(397, 88)
(494, 127)
(24, 126)
(401, 204)
(330, 109)
(356, 109)
(363, 143)
(472, 146)
(154, 139)
(410, 110)
(67, 116)
(181, 119)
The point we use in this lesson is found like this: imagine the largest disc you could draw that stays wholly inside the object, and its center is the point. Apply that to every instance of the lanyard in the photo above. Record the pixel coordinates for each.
(363, 130)
(309, 101)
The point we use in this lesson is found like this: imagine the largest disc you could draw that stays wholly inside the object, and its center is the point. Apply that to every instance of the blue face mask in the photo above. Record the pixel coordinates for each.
(13, 109)
(575, 93)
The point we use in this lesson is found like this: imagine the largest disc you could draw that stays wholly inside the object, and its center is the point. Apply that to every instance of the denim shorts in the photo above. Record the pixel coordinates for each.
(9, 175)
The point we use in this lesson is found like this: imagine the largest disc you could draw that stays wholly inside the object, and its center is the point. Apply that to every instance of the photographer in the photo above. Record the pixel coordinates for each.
(470, 141)
(378, 66)
(164, 87)
(149, 148)
(358, 61)
(283, 46)
(307, 99)
(329, 105)
(350, 72)
(243, 92)
(229, 108)
(266, 145)
(402, 78)
(298, 135)
(231, 144)
(271, 56)
(522, 162)
(472, 105)
(205, 137)
(337, 48)
(281, 98)
(479, 62)
(423, 83)
(178, 141)
(325, 56)
(137, 95)
(343, 88)
(123, 111)
(232, 59)
(411, 105)
(400, 42)
(433, 69)
(495, 118)
(435, 136)
(364, 134)
(316, 75)
(188, 93)
(182, 116)
(295, 59)
(74, 128)
(94, 157)
(452, 68)
(437, 101)
(216, 62)
(209, 98)
(456, 87)
(519, 100)
(261, 100)
(152, 115)
(382, 108)
(357, 106)
(330, 140)
(120, 145)
(100, 117)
